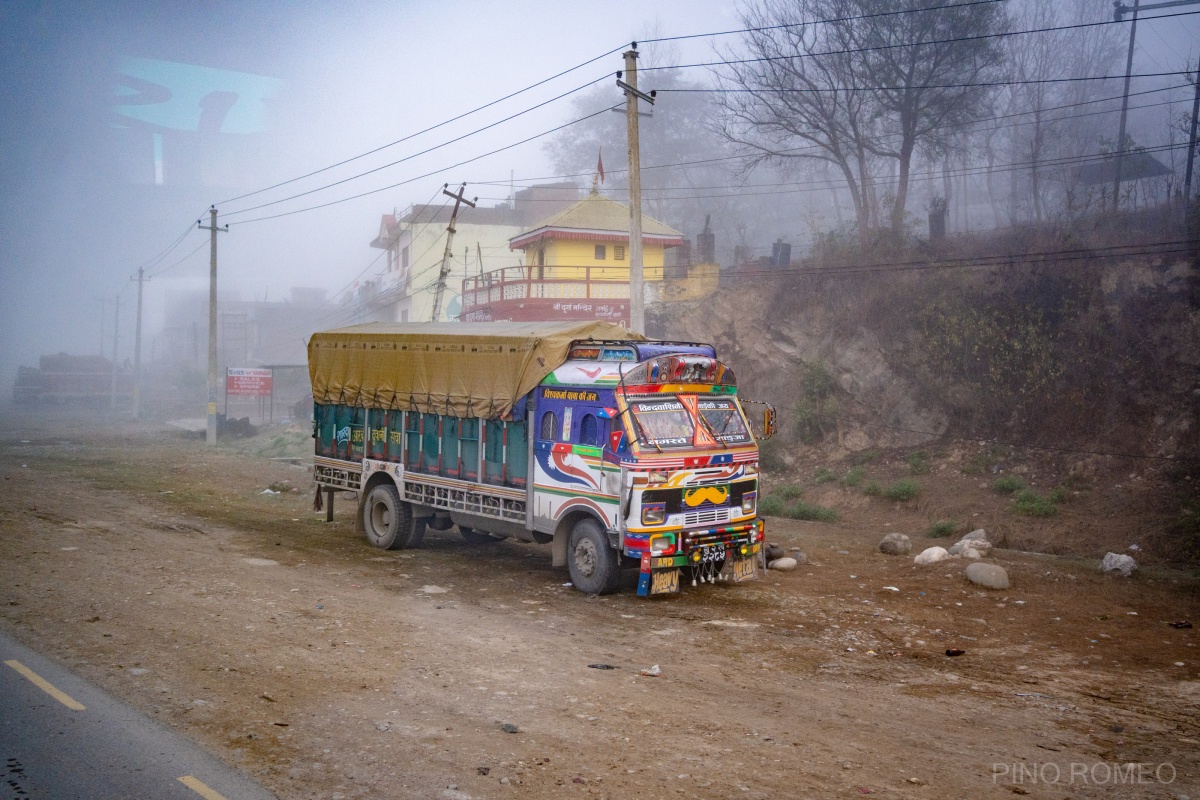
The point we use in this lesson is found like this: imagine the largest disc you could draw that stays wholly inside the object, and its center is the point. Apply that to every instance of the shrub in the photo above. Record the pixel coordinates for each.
(788, 492)
(942, 529)
(902, 490)
(1032, 504)
(918, 462)
(1007, 484)
(824, 475)
(770, 456)
(872, 489)
(816, 408)
(811, 512)
(854, 476)
(771, 506)
(1058, 495)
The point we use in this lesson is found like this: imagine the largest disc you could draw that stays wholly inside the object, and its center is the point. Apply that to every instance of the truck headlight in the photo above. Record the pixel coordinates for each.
(748, 502)
(654, 513)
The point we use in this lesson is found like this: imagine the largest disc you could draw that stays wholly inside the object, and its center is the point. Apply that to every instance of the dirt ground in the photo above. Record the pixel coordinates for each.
(157, 568)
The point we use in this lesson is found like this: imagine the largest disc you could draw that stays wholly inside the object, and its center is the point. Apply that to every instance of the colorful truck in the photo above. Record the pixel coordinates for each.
(614, 450)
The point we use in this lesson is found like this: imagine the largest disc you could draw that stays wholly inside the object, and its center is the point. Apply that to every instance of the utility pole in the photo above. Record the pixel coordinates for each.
(1124, 102)
(441, 284)
(211, 436)
(1187, 175)
(1119, 12)
(137, 348)
(112, 398)
(637, 296)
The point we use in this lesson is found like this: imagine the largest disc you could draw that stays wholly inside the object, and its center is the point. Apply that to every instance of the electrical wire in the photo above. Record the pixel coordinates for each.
(953, 40)
(427, 174)
(980, 85)
(427, 130)
(417, 154)
(162, 271)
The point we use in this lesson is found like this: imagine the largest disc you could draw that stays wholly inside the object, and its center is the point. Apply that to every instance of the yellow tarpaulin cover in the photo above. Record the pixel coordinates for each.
(459, 369)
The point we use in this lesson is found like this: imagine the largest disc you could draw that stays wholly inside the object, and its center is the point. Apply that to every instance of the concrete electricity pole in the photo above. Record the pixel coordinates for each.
(137, 348)
(211, 437)
(441, 284)
(1187, 175)
(112, 397)
(637, 295)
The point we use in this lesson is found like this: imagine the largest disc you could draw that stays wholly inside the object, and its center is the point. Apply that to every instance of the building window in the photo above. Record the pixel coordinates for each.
(618, 252)
(601, 252)
(549, 426)
(404, 258)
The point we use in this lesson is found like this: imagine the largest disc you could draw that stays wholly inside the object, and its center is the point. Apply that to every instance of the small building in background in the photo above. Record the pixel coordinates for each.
(575, 266)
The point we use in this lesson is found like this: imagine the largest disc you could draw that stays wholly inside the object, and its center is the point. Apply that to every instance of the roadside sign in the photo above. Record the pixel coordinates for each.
(247, 382)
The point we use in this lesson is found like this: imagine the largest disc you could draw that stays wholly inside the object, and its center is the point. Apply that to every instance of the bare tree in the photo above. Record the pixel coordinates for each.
(795, 96)
(925, 62)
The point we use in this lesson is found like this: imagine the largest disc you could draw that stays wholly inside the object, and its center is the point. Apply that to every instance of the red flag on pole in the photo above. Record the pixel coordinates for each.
(600, 165)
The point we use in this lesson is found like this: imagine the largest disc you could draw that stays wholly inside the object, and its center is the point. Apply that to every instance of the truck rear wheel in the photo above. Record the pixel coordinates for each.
(592, 564)
(387, 521)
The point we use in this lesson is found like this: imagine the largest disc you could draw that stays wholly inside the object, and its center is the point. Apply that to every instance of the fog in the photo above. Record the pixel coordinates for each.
(123, 123)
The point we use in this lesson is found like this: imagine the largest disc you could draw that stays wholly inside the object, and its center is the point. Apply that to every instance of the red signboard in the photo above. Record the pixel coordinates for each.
(248, 382)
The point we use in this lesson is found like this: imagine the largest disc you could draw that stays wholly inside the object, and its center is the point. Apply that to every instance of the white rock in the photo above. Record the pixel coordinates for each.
(783, 564)
(931, 555)
(978, 533)
(895, 544)
(971, 553)
(989, 576)
(1116, 562)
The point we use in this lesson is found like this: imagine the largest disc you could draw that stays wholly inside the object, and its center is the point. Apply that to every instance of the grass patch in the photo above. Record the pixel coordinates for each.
(824, 475)
(1032, 504)
(873, 489)
(771, 506)
(786, 501)
(1007, 484)
(811, 512)
(942, 529)
(902, 490)
(918, 462)
(854, 476)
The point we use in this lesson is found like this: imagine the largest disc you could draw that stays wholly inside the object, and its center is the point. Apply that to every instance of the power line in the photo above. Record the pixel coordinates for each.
(199, 247)
(417, 154)
(427, 130)
(856, 50)
(982, 84)
(427, 174)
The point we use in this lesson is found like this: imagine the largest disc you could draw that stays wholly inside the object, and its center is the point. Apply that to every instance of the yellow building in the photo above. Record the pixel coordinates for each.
(575, 266)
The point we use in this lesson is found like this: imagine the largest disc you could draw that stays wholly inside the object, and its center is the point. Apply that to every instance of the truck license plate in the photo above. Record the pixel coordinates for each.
(743, 569)
(664, 582)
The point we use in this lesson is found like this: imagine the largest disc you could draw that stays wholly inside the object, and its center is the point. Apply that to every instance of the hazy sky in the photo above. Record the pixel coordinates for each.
(122, 123)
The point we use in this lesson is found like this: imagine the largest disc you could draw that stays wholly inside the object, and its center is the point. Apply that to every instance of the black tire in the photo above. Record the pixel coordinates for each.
(477, 537)
(593, 565)
(386, 520)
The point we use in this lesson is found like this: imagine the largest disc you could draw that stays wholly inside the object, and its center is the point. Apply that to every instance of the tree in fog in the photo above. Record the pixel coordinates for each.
(870, 84)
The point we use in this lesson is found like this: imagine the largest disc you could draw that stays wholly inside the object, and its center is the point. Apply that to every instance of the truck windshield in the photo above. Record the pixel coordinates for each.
(663, 422)
(725, 421)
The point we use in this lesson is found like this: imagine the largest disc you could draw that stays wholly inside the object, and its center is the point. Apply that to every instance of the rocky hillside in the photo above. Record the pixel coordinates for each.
(1083, 356)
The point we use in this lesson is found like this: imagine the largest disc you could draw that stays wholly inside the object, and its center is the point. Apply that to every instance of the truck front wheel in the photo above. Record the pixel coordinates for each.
(592, 564)
(388, 521)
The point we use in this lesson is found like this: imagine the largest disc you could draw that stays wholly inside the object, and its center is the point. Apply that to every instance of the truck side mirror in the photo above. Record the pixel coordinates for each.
(768, 421)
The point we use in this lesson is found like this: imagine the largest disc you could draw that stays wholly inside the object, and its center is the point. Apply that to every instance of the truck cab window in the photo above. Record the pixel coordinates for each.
(589, 431)
(549, 426)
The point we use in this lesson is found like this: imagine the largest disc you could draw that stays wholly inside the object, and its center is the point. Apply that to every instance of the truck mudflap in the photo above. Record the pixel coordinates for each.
(709, 564)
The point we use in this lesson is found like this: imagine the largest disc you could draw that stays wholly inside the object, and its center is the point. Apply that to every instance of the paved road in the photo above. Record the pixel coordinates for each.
(62, 738)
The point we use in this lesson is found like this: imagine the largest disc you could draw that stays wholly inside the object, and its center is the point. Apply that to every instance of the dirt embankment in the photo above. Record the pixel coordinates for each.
(157, 568)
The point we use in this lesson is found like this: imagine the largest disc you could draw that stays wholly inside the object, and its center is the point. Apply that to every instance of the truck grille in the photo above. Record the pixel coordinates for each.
(706, 516)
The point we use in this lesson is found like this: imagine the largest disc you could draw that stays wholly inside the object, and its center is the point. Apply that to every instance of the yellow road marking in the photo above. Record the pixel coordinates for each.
(46, 686)
(200, 789)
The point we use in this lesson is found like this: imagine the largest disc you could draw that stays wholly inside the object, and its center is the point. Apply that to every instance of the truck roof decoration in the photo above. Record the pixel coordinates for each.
(458, 369)
(678, 373)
